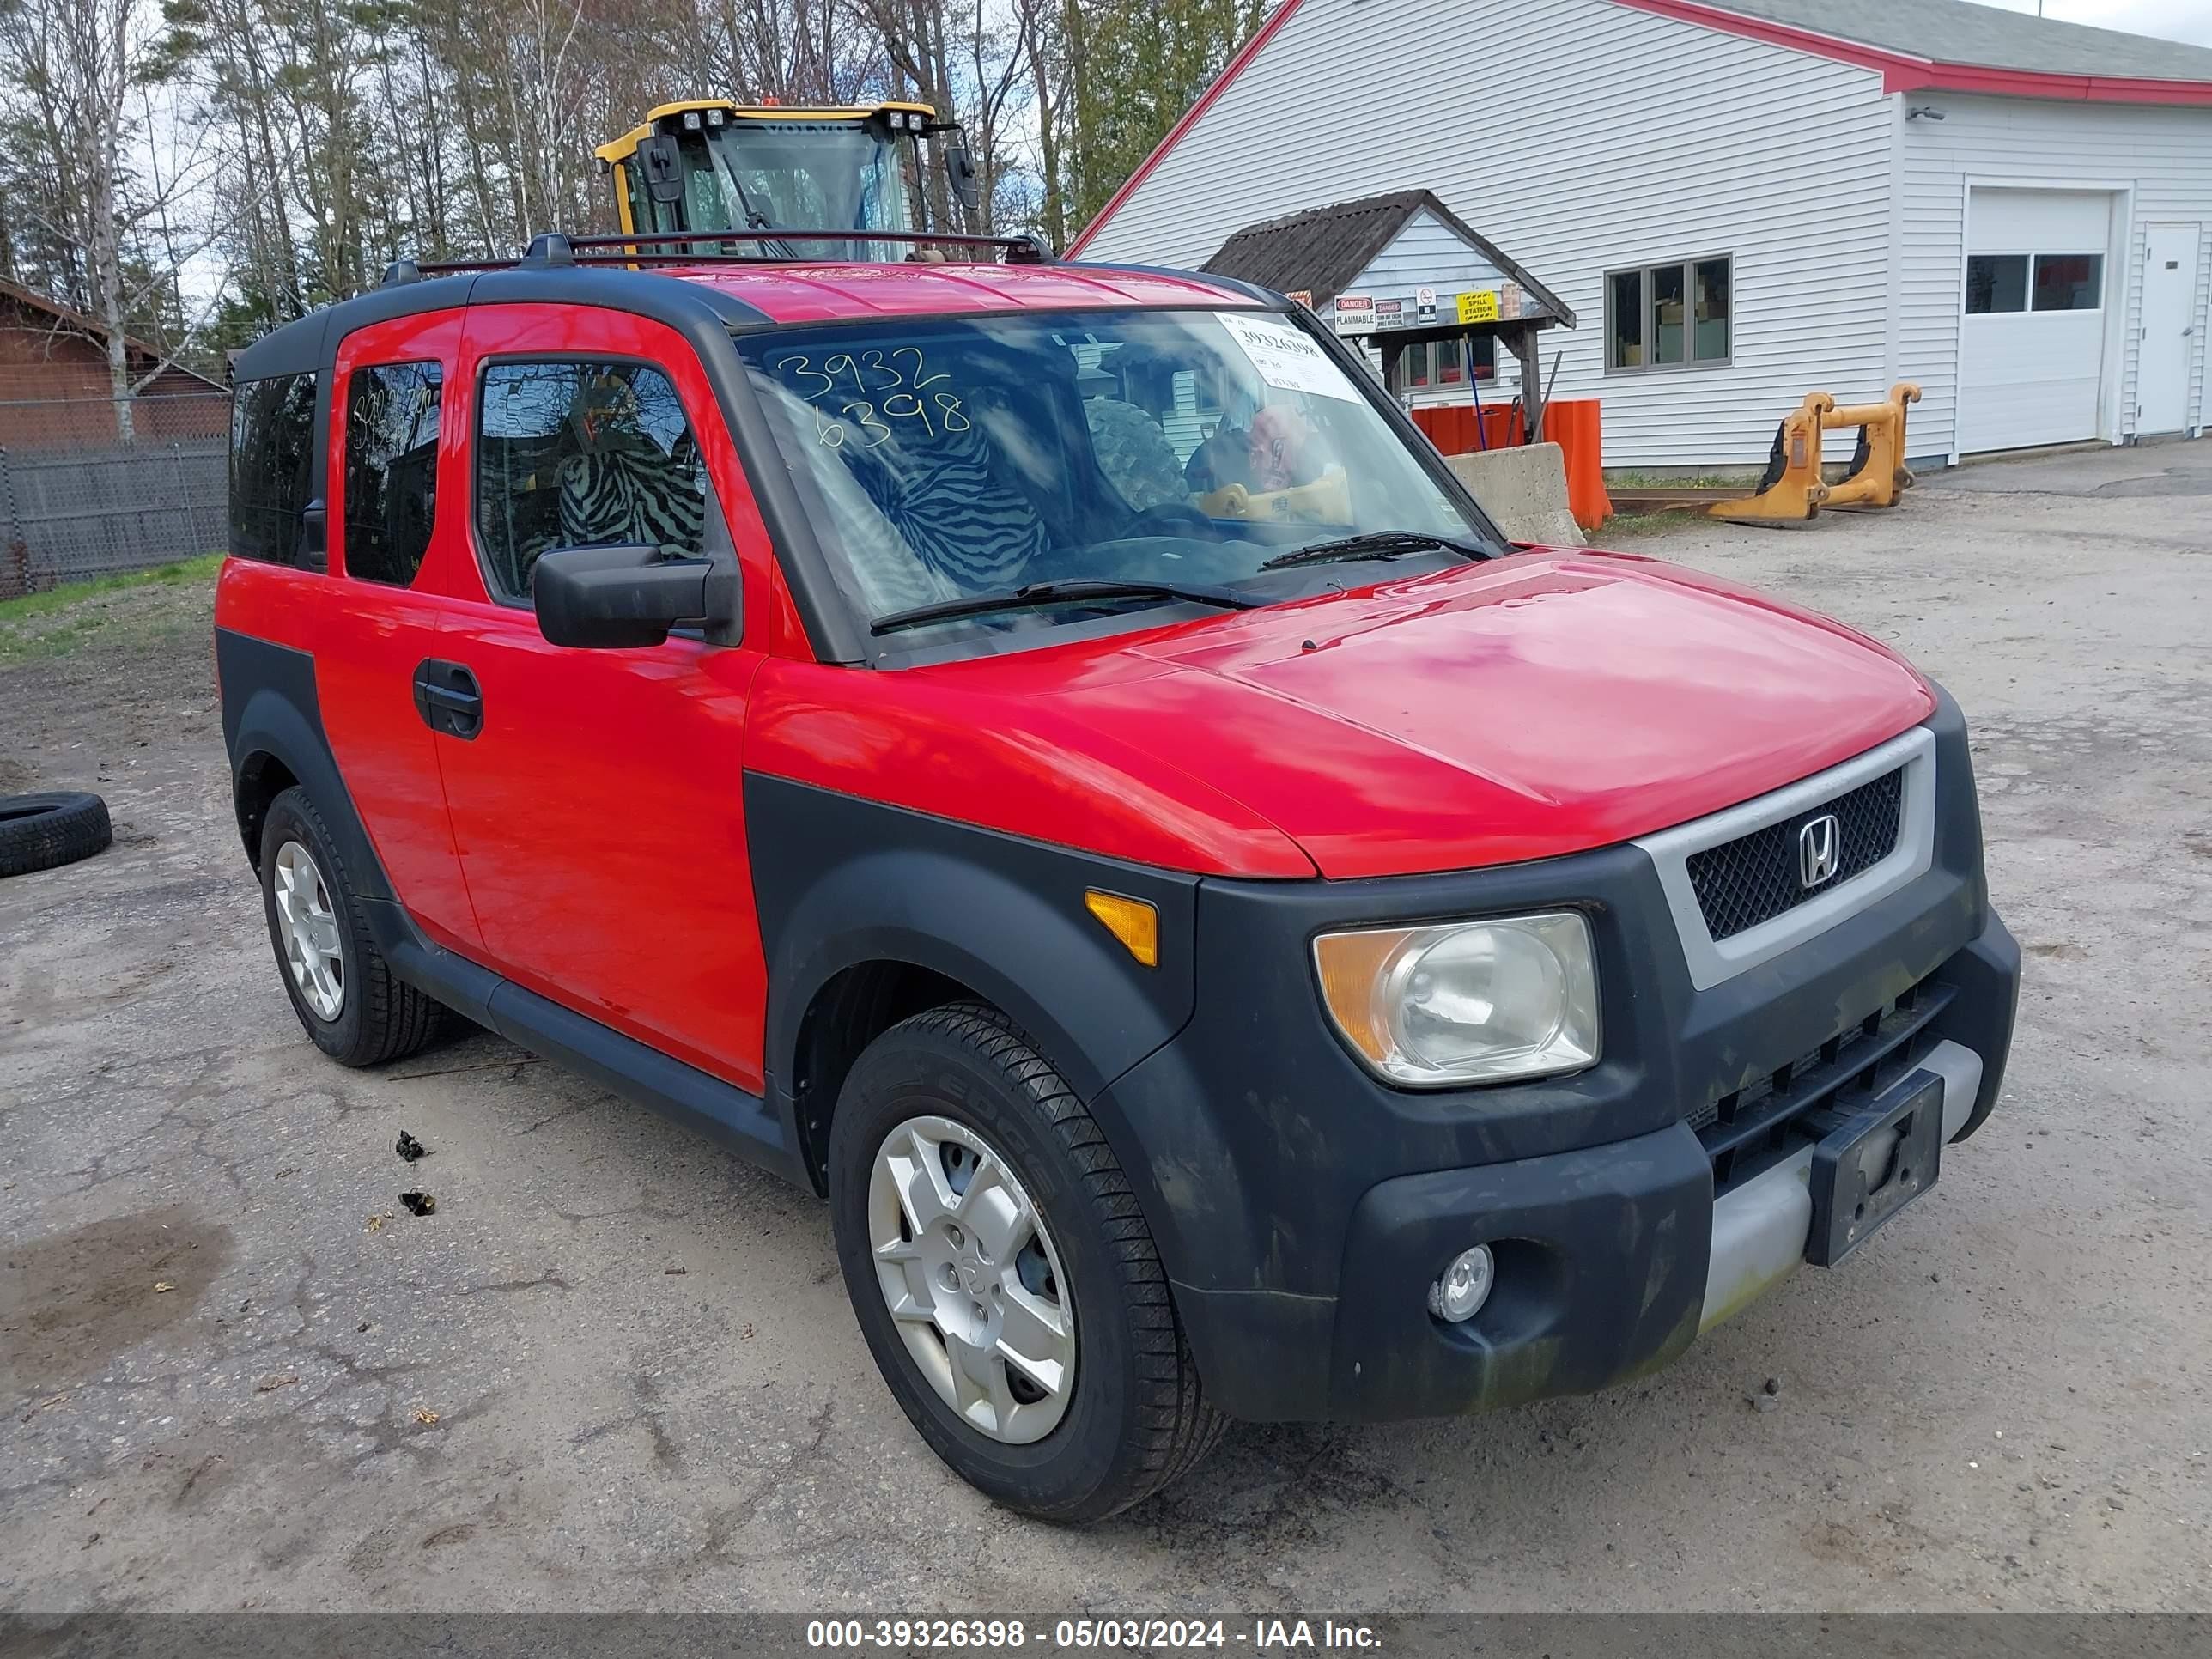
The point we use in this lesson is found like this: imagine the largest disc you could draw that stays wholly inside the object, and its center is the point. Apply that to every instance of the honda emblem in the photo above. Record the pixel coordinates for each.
(1819, 850)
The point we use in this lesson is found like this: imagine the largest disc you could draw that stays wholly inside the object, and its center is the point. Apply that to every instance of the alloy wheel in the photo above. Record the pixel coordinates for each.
(973, 1280)
(309, 928)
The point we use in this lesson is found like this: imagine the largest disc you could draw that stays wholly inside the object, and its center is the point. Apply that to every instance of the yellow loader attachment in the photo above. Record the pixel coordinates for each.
(1791, 491)
(1878, 475)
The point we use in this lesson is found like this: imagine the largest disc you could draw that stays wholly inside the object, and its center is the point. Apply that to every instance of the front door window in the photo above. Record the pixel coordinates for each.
(576, 454)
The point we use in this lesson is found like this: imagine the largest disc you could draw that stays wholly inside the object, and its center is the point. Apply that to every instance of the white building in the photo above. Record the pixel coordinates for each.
(1744, 204)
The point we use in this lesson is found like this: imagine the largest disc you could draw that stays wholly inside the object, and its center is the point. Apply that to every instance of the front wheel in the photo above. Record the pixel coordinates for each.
(1003, 1276)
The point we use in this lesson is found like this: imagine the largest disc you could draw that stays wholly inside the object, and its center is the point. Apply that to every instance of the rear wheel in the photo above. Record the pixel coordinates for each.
(346, 996)
(1002, 1275)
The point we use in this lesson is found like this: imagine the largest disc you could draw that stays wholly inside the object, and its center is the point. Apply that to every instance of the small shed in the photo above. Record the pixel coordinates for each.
(1405, 276)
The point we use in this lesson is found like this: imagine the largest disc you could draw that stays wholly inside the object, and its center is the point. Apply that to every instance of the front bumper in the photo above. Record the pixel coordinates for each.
(1302, 1209)
(1611, 1260)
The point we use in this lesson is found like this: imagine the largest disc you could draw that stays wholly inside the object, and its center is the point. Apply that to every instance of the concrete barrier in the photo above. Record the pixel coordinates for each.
(1525, 490)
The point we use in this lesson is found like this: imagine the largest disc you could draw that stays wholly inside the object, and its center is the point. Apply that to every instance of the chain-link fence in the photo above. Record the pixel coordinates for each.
(76, 509)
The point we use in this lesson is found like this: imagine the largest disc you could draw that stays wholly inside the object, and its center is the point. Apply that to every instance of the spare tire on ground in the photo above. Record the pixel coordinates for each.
(37, 832)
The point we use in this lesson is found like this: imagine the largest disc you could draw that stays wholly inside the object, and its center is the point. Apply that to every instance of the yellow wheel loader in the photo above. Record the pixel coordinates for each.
(710, 165)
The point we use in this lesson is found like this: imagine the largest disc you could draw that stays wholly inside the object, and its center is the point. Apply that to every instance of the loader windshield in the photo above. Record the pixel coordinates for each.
(811, 175)
(801, 175)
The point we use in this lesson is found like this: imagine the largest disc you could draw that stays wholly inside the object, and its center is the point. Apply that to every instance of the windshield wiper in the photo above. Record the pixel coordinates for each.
(1374, 544)
(1059, 593)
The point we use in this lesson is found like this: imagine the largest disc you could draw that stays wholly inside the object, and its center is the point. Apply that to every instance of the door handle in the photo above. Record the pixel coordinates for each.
(448, 699)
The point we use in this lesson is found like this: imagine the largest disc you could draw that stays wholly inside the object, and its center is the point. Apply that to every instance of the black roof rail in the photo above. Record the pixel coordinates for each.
(692, 247)
(549, 248)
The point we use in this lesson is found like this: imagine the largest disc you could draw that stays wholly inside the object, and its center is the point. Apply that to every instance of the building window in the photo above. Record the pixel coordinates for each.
(391, 470)
(1998, 282)
(272, 453)
(1711, 344)
(1676, 315)
(1625, 319)
(2069, 282)
(1438, 363)
(1995, 281)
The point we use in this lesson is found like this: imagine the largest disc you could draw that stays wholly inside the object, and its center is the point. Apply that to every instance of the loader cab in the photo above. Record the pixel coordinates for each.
(708, 166)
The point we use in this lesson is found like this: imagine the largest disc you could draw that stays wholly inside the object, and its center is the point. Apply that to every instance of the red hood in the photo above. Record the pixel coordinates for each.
(1537, 705)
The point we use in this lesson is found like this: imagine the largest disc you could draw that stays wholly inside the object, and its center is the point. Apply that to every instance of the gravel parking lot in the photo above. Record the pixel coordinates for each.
(616, 1369)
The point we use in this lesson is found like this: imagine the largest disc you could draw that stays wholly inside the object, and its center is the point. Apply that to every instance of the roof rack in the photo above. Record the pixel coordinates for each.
(682, 247)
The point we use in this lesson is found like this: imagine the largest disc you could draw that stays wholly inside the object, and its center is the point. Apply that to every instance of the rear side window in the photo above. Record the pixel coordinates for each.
(578, 454)
(391, 470)
(272, 447)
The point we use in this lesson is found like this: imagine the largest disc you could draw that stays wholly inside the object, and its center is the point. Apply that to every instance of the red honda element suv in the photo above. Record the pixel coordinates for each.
(1048, 757)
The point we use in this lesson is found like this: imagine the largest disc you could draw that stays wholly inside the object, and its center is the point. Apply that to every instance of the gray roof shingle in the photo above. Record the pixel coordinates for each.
(1985, 37)
(1321, 249)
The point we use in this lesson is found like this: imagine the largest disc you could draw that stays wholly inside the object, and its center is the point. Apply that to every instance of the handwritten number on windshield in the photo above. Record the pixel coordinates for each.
(874, 420)
(886, 394)
(919, 378)
(876, 365)
(869, 422)
(871, 375)
(801, 366)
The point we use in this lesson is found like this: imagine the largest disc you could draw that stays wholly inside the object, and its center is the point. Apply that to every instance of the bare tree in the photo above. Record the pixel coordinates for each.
(324, 137)
(75, 65)
(786, 51)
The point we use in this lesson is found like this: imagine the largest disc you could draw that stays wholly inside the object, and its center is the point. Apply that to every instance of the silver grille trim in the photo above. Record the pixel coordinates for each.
(1710, 961)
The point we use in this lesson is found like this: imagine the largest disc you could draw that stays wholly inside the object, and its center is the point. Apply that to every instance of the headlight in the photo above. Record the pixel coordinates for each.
(1467, 1001)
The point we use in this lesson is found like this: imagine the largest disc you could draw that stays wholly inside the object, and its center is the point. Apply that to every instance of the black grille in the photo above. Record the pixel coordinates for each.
(1746, 1129)
(1754, 879)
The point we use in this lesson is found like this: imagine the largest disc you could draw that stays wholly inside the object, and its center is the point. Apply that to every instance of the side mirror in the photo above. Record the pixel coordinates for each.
(611, 596)
(664, 173)
(960, 172)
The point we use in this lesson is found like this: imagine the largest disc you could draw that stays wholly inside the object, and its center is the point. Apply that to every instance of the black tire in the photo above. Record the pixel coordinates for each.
(37, 832)
(1138, 1418)
(380, 1016)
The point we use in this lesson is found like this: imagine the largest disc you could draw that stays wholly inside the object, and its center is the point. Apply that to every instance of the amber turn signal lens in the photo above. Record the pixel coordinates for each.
(1351, 967)
(1133, 922)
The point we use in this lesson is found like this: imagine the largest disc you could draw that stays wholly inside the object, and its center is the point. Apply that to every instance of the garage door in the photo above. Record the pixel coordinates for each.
(2031, 352)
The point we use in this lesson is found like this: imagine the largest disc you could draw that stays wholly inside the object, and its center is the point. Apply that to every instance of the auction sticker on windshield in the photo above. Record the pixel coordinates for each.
(1287, 358)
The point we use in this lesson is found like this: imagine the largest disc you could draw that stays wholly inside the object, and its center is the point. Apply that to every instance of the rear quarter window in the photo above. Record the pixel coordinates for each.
(390, 470)
(272, 448)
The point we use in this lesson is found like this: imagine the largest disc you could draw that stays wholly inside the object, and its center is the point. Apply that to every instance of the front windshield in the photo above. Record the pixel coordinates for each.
(950, 457)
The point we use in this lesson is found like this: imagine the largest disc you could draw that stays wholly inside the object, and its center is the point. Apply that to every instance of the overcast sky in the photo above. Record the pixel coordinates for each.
(2169, 19)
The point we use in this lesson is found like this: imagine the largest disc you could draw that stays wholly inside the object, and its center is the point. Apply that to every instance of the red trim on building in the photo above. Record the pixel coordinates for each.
(1900, 72)
(1903, 72)
(1234, 68)
(2053, 89)
(1782, 34)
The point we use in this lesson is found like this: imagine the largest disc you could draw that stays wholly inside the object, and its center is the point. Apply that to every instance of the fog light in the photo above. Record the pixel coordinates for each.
(1460, 1294)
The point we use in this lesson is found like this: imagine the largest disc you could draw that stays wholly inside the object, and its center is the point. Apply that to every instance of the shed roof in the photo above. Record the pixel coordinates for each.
(1321, 250)
(67, 319)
